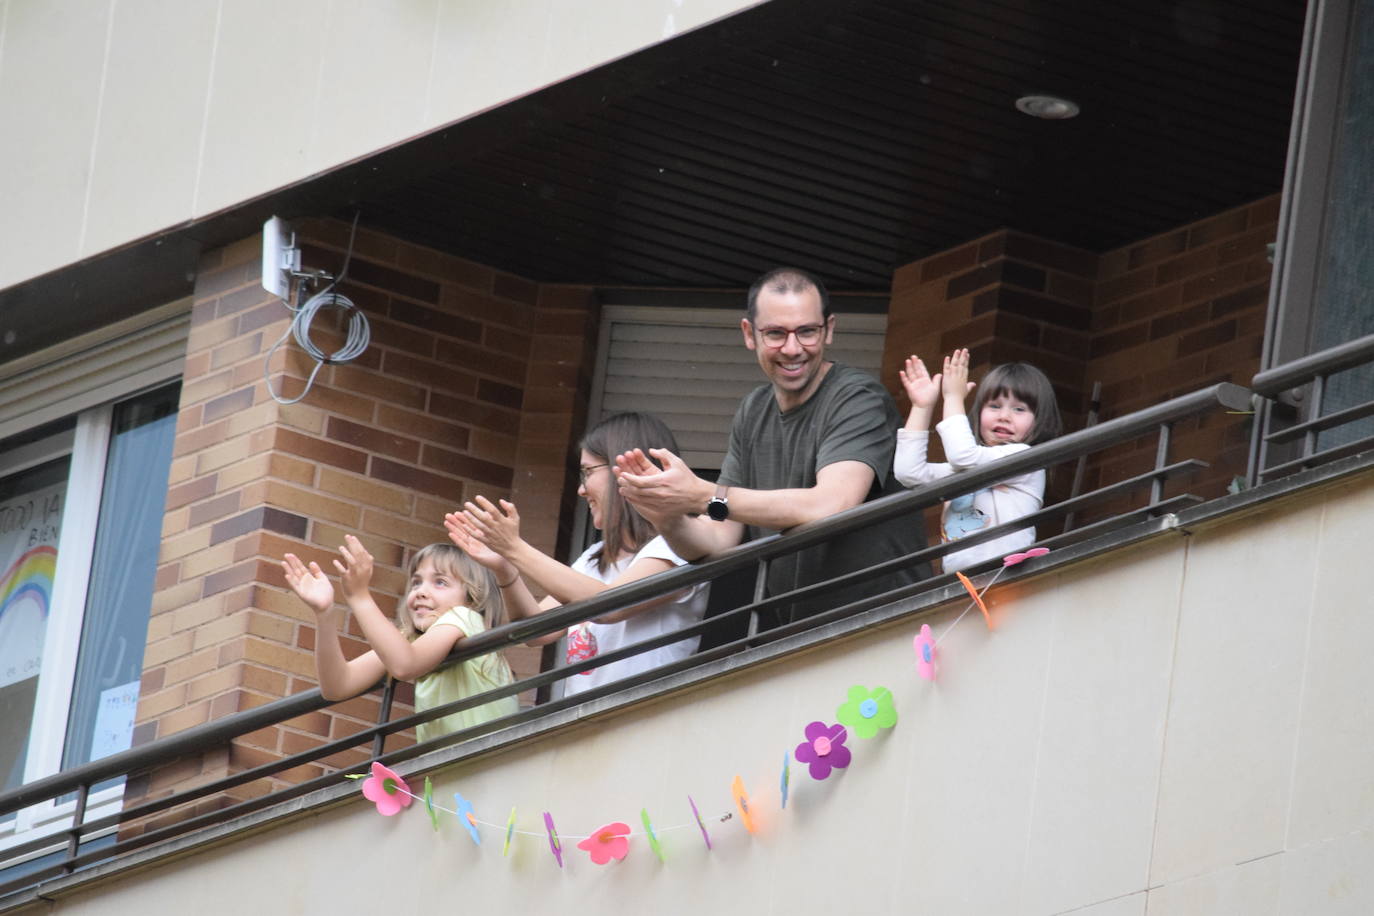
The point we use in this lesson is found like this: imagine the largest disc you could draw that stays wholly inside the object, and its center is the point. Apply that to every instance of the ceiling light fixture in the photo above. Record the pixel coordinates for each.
(1049, 107)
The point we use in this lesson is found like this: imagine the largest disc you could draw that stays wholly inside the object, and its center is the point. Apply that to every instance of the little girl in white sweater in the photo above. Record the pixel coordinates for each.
(1015, 409)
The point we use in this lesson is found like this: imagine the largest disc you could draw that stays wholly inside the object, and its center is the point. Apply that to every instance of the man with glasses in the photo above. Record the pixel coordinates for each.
(816, 440)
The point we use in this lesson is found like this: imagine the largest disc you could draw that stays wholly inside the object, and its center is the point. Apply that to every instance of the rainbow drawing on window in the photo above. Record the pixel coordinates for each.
(25, 592)
(29, 577)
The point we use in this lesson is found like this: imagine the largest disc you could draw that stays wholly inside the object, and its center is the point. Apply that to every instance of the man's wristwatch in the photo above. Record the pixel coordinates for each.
(719, 507)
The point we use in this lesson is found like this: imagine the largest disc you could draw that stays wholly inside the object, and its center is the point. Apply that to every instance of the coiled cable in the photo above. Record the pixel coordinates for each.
(359, 336)
(359, 331)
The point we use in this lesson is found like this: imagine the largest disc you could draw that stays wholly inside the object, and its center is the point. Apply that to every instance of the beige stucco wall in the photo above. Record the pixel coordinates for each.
(1180, 727)
(124, 117)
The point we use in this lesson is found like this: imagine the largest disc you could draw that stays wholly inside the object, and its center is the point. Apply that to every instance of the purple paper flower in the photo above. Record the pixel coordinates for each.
(824, 749)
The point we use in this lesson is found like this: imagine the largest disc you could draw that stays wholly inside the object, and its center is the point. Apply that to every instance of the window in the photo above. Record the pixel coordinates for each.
(1344, 305)
(30, 511)
(1324, 277)
(85, 449)
(80, 523)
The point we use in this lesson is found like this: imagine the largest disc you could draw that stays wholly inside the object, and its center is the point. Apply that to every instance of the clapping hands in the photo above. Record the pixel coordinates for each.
(496, 527)
(921, 387)
(309, 583)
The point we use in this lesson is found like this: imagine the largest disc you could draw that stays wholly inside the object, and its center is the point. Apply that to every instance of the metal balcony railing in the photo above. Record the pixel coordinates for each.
(82, 843)
(1287, 439)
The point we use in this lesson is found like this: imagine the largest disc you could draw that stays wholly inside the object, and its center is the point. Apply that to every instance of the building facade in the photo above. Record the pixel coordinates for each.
(546, 215)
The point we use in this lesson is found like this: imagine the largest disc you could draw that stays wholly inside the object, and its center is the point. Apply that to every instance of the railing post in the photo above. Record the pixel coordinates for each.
(760, 591)
(384, 715)
(1161, 459)
(1314, 410)
(1259, 444)
(83, 792)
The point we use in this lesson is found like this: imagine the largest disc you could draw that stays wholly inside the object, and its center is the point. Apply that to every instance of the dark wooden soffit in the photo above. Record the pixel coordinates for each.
(881, 134)
(848, 136)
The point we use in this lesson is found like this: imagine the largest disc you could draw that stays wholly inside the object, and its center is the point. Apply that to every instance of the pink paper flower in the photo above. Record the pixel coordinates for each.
(926, 664)
(387, 790)
(610, 842)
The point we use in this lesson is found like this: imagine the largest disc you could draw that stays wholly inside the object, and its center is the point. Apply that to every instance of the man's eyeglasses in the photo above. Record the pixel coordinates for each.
(586, 471)
(807, 336)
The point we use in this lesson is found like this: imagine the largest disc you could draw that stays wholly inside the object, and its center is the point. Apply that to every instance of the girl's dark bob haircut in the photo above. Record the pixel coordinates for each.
(1029, 385)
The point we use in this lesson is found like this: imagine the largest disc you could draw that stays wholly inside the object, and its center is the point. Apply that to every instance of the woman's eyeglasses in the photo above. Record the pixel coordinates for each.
(586, 471)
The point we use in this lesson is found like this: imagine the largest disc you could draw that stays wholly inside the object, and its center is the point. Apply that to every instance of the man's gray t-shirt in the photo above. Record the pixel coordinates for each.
(850, 417)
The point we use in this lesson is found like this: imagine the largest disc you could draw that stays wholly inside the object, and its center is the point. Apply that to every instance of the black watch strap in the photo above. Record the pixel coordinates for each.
(718, 509)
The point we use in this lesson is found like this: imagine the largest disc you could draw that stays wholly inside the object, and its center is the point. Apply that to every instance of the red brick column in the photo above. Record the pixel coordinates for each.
(433, 413)
(1007, 297)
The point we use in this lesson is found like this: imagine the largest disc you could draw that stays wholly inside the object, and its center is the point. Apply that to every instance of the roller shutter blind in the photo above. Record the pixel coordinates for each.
(93, 369)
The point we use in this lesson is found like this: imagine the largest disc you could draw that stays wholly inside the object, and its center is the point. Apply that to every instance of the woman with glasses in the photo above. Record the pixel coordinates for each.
(630, 549)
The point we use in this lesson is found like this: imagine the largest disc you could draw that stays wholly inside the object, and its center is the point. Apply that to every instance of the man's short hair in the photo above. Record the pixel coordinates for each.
(787, 280)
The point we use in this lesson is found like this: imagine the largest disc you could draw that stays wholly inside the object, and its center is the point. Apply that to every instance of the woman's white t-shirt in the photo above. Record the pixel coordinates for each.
(684, 611)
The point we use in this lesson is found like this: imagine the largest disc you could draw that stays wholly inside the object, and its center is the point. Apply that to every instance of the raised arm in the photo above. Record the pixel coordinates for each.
(954, 385)
(922, 389)
(401, 657)
(498, 527)
(519, 602)
(339, 677)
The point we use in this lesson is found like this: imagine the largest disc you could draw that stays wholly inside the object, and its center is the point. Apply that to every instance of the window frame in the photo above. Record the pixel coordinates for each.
(1318, 106)
(85, 379)
(1319, 103)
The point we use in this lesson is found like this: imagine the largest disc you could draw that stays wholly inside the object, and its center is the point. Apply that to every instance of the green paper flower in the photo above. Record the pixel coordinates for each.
(866, 711)
(429, 803)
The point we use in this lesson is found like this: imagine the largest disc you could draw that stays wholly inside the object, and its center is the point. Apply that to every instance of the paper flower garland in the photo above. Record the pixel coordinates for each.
(924, 644)
(429, 805)
(1014, 558)
(977, 599)
(652, 837)
(866, 711)
(554, 846)
(823, 749)
(610, 842)
(510, 831)
(697, 814)
(387, 790)
(742, 804)
(468, 816)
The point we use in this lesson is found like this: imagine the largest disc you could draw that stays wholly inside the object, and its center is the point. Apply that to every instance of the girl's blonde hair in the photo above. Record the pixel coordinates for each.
(484, 596)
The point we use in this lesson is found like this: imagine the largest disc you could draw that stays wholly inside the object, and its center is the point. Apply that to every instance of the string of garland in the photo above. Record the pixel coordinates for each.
(865, 711)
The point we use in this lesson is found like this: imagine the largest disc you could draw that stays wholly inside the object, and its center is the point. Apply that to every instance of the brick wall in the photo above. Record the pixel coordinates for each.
(1007, 297)
(471, 385)
(1175, 313)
